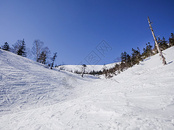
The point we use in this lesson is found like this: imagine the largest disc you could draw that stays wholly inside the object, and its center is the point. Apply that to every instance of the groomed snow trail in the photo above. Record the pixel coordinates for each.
(140, 98)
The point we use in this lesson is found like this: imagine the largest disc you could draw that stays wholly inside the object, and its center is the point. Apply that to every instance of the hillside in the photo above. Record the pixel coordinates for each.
(88, 69)
(26, 84)
(34, 97)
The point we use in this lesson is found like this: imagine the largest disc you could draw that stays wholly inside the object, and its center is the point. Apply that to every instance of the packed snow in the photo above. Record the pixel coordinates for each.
(33, 97)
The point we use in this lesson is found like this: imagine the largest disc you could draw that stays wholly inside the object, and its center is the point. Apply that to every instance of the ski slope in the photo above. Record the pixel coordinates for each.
(33, 97)
(88, 68)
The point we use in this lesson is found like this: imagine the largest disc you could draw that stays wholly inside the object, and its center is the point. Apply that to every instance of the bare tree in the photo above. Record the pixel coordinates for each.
(156, 43)
(37, 49)
(16, 46)
(83, 69)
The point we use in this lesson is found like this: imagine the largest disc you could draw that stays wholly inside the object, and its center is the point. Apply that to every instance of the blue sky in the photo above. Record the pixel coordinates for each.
(75, 29)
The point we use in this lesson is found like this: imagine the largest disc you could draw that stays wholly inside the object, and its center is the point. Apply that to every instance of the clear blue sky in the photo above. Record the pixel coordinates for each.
(75, 28)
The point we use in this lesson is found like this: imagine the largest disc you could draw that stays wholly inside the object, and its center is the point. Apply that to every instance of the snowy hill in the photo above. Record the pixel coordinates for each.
(26, 84)
(33, 97)
(88, 69)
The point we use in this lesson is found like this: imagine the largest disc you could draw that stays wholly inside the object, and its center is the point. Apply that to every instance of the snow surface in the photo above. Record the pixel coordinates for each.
(32, 97)
(88, 68)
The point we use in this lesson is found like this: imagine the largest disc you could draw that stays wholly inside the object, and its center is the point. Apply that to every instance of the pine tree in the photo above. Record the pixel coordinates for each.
(105, 71)
(123, 57)
(21, 50)
(136, 56)
(147, 51)
(53, 59)
(171, 40)
(162, 44)
(42, 58)
(6, 47)
(126, 59)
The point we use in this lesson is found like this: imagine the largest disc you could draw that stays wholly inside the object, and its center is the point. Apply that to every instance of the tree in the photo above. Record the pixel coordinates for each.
(136, 56)
(37, 49)
(126, 59)
(6, 46)
(117, 68)
(53, 59)
(44, 55)
(156, 43)
(123, 57)
(42, 58)
(83, 69)
(21, 50)
(147, 51)
(105, 71)
(16, 46)
(171, 40)
(162, 44)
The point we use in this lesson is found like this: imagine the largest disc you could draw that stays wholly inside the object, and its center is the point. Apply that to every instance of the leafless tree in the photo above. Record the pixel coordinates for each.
(16, 46)
(83, 69)
(37, 49)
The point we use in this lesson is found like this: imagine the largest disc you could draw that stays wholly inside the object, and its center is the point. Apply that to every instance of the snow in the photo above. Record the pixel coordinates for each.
(88, 68)
(34, 97)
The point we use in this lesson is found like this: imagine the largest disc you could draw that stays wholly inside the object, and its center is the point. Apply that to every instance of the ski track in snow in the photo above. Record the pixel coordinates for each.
(35, 98)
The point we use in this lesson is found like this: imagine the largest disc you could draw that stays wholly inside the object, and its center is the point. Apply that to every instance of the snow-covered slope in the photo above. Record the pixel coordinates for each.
(141, 97)
(88, 68)
(25, 84)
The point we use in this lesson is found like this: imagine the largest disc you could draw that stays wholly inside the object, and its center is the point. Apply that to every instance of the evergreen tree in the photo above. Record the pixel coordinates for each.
(6, 46)
(44, 55)
(117, 68)
(123, 57)
(171, 40)
(162, 44)
(105, 71)
(53, 59)
(21, 50)
(129, 61)
(42, 58)
(147, 51)
(126, 59)
(136, 56)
